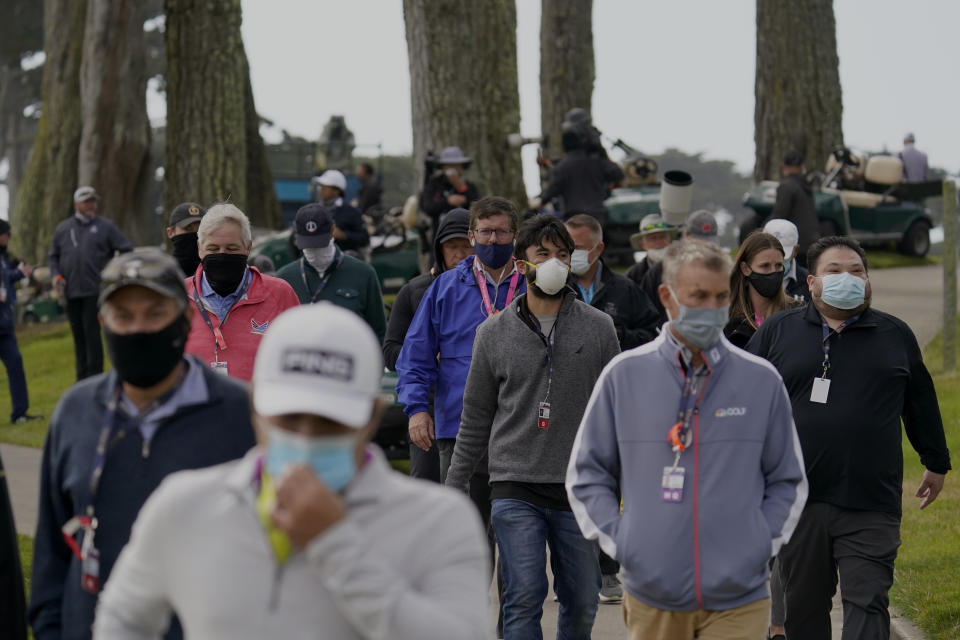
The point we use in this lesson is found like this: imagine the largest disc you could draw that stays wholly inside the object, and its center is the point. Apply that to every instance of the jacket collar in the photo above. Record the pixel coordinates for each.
(107, 382)
(566, 306)
(867, 319)
(678, 354)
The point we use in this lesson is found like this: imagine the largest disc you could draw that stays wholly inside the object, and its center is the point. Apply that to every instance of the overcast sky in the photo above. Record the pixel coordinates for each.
(669, 73)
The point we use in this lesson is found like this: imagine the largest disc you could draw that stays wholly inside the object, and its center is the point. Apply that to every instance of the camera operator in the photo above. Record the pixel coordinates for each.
(448, 189)
(584, 177)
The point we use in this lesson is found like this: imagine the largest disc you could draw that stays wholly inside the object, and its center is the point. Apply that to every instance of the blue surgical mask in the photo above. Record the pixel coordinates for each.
(332, 458)
(493, 255)
(843, 290)
(701, 326)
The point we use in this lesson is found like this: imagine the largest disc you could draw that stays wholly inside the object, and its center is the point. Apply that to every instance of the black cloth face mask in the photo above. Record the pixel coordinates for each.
(186, 252)
(766, 284)
(225, 271)
(144, 359)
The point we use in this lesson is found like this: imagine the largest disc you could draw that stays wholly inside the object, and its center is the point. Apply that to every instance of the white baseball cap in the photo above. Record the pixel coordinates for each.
(319, 359)
(82, 194)
(784, 231)
(333, 178)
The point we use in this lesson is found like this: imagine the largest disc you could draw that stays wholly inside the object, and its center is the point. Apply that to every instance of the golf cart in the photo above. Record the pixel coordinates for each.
(864, 198)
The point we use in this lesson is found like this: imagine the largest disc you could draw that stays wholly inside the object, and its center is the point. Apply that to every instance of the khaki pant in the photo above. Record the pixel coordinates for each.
(644, 622)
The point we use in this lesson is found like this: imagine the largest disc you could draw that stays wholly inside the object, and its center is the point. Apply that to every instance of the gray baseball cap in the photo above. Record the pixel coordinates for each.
(144, 267)
(702, 225)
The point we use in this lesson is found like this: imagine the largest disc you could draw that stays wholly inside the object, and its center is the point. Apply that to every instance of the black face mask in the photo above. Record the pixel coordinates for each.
(186, 252)
(766, 284)
(144, 359)
(225, 271)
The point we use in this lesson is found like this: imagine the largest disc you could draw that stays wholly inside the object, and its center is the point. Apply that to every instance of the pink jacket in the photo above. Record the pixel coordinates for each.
(243, 327)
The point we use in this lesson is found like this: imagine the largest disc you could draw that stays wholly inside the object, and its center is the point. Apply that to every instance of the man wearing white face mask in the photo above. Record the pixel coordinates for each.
(324, 272)
(634, 316)
(853, 373)
(530, 377)
(311, 534)
(698, 435)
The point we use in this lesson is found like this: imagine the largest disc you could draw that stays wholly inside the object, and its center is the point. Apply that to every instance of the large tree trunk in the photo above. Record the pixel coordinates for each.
(46, 194)
(463, 86)
(262, 204)
(566, 63)
(799, 103)
(214, 150)
(115, 144)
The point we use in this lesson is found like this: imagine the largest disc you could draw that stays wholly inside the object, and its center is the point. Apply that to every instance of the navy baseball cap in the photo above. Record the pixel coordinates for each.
(314, 226)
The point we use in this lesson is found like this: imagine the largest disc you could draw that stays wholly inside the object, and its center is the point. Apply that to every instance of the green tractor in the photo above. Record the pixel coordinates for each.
(864, 198)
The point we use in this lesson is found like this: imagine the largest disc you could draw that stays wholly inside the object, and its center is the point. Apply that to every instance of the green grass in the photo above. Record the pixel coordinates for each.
(26, 559)
(927, 585)
(889, 259)
(48, 361)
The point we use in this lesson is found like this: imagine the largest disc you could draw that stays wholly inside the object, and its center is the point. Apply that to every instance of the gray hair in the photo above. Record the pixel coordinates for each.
(689, 251)
(220, 213)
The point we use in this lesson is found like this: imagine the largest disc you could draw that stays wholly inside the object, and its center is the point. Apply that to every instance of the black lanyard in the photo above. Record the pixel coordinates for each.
(550, 339)
(107, 435)
(826, 341)
(323, 280)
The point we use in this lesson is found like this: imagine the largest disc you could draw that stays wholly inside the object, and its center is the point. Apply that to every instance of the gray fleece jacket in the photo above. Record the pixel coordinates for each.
(744, 483)
(508, 380)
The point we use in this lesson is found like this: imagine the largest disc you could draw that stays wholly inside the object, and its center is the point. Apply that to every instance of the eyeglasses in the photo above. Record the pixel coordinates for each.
(502, 234)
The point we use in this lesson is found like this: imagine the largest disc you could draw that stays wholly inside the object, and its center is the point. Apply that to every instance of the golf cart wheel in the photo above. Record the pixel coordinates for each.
(829, 228)
(916, 241)
(30, 318)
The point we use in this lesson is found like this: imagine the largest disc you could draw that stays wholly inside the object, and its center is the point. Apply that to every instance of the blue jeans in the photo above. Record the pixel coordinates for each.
(523, 530)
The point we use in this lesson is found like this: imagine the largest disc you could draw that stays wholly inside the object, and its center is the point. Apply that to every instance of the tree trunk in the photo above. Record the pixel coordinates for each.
(798, 98)
(463, 86)
(46, 193)
(566, 63)
(115, 144)
(214, 151)
(262, 204)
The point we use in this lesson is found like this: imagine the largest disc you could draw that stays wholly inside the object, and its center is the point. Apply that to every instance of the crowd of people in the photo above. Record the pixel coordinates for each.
(707, 441)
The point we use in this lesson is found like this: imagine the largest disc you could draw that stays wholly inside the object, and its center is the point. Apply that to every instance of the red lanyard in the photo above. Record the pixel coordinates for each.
(482, 283)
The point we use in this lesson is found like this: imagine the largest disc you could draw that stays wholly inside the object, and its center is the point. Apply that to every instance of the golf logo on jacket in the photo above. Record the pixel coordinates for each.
(257, 328)
(730, 412)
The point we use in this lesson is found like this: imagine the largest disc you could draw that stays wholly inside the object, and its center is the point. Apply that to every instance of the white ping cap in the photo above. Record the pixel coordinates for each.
(319, 359)
(784, 231)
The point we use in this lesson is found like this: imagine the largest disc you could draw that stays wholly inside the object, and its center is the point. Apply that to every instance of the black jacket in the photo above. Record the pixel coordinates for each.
(634, 317)
(637, 271)
(13, 603)
(583, 181)
(739, 331)
(433, 200)
(406, 303)
(195, 437)
(795, 203)
(350, 222)
(369, 194)
(852, 444)
(80, 250)
(797, 287)
(651, 283)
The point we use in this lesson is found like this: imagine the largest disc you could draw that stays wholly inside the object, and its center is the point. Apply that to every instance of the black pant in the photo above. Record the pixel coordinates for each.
(425, 464)
(862, 545)
(13, 361)
(87, 348)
